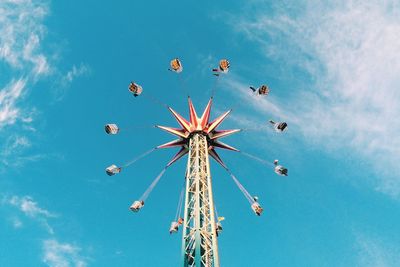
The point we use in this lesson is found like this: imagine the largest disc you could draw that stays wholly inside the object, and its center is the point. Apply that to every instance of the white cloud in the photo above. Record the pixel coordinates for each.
(65, 80)
(16, 222)
(24, 61)
(376, 253)
(55, 253)
(21, 37)
(15, 152)
(14, 144)
(350, 50)
(58, 254)
(9, 111)
(31, 208)
(75, 72)
(21, 31)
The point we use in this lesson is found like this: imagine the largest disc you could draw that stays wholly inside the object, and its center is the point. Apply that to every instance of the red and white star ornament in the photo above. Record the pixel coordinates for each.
(198, 125)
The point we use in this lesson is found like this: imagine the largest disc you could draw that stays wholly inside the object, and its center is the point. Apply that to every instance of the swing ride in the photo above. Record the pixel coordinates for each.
(262, 90)
(199, 138)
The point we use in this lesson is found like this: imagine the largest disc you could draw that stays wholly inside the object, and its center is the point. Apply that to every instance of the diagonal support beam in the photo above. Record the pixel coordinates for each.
(215, 156)
(224, 146)
(175, 131)
(177, 142)
(182, 152)
(218, 121)
(223, 133)
(181, 120)
(193, 115)
(205, 118)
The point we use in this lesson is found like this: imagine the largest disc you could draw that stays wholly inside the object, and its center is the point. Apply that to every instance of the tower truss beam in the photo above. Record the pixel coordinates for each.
(199, 243)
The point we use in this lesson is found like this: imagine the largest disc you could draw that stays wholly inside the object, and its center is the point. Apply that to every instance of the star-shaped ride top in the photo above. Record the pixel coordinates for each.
(198, 125)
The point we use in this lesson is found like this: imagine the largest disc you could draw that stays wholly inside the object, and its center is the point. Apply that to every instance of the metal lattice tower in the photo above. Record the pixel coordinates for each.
(198, 137)
(199, 241)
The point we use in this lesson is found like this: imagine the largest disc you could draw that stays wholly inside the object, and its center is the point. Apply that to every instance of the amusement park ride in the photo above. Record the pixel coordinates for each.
(199, 138)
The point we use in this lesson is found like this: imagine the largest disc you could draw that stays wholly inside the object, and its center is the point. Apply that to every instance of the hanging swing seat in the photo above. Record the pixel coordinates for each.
(137, 205)
(257, 208)
(112, 170)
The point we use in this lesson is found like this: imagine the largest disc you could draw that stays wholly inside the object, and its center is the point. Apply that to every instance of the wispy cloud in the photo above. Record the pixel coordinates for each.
(15, 152)
(56, 254)
(65, 80)
(31, 209)
(349, 49)
(15, 143)
(75, 72)
(21, 36)
(24, 61)
(9, 95)
(21, 31)
(16, 222)
(376, 253)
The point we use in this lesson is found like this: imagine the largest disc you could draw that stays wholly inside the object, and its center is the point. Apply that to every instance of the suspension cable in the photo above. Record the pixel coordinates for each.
(152, 185)
(216, 213)
(261, 127)
(240, 186)
(240, 104)
(214, 86)
(138, 157)
(179, 208)
(154, 99)
(130, 128)
(262, 161)
(183, 85)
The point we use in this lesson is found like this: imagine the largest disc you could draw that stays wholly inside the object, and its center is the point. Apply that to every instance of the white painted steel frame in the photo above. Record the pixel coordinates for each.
(199, 241)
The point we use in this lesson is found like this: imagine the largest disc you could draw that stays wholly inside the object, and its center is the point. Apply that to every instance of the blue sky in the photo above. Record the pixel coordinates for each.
(333, 72)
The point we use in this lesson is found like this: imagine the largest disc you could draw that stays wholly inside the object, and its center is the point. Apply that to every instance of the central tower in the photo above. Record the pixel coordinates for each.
(199, 241)
(198, 137)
